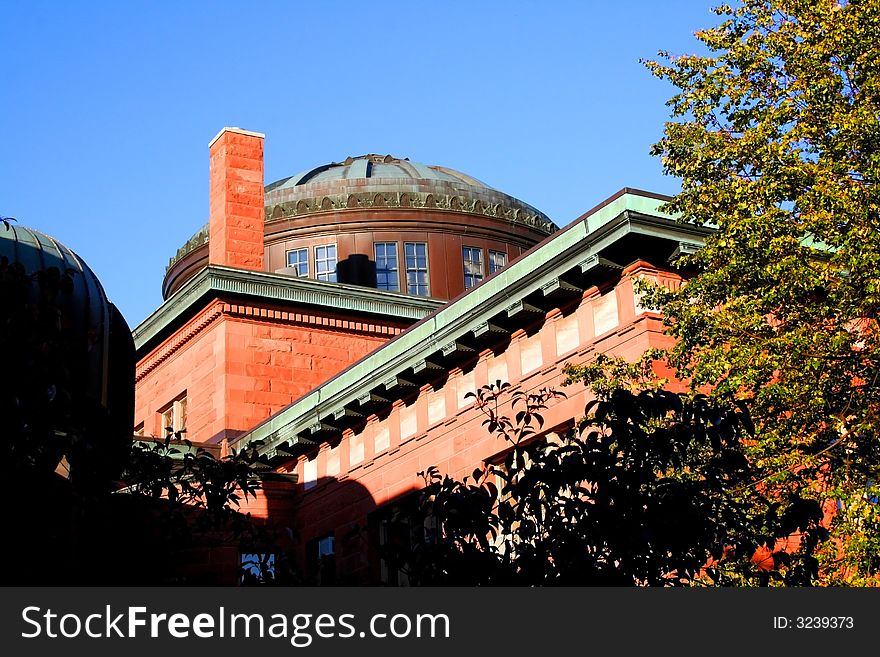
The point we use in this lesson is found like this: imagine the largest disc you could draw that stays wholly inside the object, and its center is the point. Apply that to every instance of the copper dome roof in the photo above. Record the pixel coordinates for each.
(375, 166)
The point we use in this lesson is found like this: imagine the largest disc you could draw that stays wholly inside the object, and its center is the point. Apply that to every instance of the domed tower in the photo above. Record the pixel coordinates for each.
(293, 282)
(384, 222)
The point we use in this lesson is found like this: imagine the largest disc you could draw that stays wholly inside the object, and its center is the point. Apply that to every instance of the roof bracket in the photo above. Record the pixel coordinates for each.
(426, 367)
(522, 308)
(594, 261)
(369, 399)
(395, 381)
(488, 329)
(684, 249)
(560, 287)
(455, 347)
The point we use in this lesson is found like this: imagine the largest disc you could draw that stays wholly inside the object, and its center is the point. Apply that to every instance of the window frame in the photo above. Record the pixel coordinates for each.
(492, 267)
(176, 412)
(320, 562)
(287, 255)
(476, 279)
(400, 523)
(386, 270)
(261, 566)
(330, 273)
(417, 270)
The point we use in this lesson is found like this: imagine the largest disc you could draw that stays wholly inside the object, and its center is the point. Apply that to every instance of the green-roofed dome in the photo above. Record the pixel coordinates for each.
(384, 181)
(380, 195)
(374, 166)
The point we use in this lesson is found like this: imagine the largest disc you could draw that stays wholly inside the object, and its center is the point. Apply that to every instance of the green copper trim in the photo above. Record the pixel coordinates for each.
(568, 251)
(267, 286)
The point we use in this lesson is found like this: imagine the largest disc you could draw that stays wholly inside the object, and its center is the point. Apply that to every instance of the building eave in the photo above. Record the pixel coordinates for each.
(572, 259)
(217, 280)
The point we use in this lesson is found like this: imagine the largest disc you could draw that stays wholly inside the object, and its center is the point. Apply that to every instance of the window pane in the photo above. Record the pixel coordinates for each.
(497, 261)
(299, 258)
(386, 266)
(325, 263)
(168, 420)
(173, 416)
(180, 415)
(257, 568)
(417, 268)
(473, 265)
(326, 546)
(321, 560)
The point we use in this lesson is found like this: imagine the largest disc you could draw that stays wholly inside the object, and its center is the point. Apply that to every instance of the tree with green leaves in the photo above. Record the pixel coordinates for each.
(775, 135)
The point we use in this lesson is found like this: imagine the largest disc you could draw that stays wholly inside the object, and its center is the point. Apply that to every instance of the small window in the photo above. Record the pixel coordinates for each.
(399, 530)
(325, 262)
(417, 268)
(387, 277)
(257, 568)
(473, 265)
(139, 430)
(326, 546)
(299, 260)
(167, 420)
(173, 416)
(497, 261)
(322, 560)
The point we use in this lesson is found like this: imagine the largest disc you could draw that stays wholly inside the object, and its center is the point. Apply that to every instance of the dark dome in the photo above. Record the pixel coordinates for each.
(103, 360)
(36, 252)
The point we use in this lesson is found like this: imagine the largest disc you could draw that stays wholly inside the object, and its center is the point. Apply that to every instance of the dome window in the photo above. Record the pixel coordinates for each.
(473, 265)
(497, 261)
(325, 262)
(299, 260)
(417, 268)
(387, 276)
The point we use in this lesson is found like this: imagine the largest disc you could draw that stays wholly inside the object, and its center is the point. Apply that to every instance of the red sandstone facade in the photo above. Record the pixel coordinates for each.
(355, 389)
(237, 363)
(350, 486)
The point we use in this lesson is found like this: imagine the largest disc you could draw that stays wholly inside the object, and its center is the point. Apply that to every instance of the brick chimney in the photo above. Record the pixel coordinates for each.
(236, 211)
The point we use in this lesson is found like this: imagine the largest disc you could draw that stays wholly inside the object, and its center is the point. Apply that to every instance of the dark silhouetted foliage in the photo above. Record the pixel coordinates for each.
(91, 506)
(651, 488)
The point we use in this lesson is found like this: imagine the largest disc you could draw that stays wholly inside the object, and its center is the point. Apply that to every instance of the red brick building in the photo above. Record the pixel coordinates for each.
(341, 316)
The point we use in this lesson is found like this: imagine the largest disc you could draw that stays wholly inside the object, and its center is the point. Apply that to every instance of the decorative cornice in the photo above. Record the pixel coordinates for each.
(280, 288)
(382, 199)
(194, 242)
(214, 312)
(196, 326)
(379, 197)
(531, 279)
(307, 319)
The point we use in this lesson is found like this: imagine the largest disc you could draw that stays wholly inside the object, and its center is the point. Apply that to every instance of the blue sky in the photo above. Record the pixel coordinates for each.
(107, 108)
